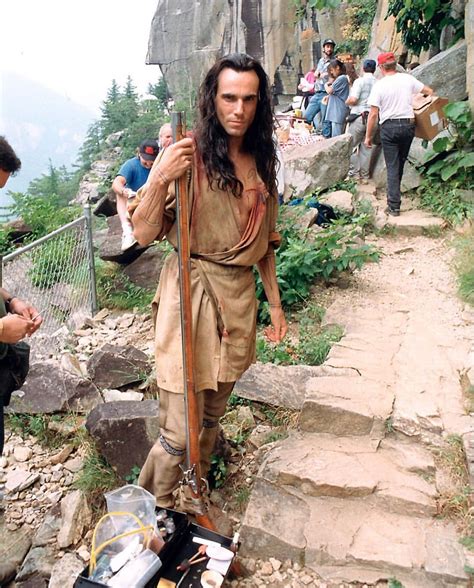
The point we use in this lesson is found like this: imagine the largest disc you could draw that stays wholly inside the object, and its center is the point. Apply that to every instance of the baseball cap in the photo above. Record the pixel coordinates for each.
(369, 64)
(329, 42)
(149, 149)
(384, 58)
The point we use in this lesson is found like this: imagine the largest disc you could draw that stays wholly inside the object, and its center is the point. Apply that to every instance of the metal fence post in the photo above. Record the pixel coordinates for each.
(90, 253)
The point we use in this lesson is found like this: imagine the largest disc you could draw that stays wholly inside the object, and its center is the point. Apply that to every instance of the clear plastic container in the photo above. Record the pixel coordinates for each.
(137, 572)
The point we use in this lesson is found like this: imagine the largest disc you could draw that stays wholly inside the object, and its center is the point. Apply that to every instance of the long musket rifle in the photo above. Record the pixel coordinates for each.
(192, 474)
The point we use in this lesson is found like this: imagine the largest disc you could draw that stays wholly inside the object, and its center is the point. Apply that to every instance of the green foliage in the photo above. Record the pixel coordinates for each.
(300, 261)
(450, 167)
(357, 24)
(50, 261)
(276, 436)
(421, 22)
(37, 426)
(132, 477)
(5, 241)
(96, 476)
(311, 348)
(235, 400)
(43, 213)
(394, 583)
(160, 91)
(242, 496)
(445, 201)
(452, 157)
(218, 471)
(465, 267)
(115, 290)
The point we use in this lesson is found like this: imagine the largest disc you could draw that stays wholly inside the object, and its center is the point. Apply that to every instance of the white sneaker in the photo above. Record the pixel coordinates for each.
(128, 240)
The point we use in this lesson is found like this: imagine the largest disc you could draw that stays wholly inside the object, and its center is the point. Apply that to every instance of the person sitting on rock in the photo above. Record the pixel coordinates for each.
(131, 176)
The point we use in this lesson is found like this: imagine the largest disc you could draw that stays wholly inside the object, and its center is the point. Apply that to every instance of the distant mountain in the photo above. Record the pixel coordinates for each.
(41, 125)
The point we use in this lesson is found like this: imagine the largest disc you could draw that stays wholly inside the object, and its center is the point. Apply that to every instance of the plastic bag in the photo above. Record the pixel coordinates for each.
(132, 499)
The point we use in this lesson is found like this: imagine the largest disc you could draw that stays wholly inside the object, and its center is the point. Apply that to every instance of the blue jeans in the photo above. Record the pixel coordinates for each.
(314, 107)
(396, 137)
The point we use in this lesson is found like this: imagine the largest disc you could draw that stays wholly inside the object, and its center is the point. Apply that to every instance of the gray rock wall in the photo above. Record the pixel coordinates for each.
(469, 31)
(187, 37)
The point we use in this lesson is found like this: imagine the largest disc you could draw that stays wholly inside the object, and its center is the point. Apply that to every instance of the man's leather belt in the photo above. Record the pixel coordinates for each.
(405, 120)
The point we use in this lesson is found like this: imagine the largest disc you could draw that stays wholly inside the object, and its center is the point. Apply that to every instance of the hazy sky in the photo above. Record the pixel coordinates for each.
(77, 48)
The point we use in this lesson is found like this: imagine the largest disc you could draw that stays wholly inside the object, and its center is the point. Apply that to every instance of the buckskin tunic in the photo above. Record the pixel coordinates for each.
(224, 305)
(224, 308)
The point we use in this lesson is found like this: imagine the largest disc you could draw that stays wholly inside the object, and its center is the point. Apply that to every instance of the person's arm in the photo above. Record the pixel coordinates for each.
(371, 124)
(427, 91)
(118, 186)
(148, 216)
(19, 323)
(267, 270)
(354, 95)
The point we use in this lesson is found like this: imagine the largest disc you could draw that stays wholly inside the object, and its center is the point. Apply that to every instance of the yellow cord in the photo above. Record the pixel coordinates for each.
(96, 550)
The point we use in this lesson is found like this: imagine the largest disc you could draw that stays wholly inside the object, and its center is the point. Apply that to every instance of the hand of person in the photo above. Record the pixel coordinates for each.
(278, 329)
(16, 327)
(368, 142)
(176, 159)
(27, 311)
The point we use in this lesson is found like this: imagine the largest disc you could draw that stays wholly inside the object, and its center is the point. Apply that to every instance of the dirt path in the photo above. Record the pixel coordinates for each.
(392, 386)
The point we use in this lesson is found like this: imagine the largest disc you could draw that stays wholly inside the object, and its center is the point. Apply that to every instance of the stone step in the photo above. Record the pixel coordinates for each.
(416, 222)
(351, 539)
(346, 406)
(391, 476)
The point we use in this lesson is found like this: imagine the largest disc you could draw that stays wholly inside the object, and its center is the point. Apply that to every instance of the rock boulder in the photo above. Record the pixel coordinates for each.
(125, 432)
(50, 389)
(113, 366)
(316, 166)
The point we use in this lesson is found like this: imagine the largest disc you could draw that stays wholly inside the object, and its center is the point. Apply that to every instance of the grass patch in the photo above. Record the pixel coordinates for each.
(465, 266)
(46, 428)
(115, 290)
(446, 200)
(455, 497)
(96, 476)
(310, 345)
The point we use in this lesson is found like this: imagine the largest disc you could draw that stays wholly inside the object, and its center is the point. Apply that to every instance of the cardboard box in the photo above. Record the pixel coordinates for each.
(429, 116)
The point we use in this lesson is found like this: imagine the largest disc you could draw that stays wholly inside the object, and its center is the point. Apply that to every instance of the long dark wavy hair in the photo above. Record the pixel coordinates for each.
(212, 140)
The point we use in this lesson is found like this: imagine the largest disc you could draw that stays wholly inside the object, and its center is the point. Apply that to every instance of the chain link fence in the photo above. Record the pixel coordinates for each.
(56, 274)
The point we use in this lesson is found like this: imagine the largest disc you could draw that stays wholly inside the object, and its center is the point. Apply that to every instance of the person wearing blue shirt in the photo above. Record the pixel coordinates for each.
(131, 177)
(338, 92)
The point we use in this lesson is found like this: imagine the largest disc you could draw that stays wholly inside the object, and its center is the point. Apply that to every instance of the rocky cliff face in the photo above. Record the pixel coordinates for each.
(187, 37)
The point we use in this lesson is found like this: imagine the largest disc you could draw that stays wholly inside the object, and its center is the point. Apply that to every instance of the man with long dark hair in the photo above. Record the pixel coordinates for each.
(233, 207)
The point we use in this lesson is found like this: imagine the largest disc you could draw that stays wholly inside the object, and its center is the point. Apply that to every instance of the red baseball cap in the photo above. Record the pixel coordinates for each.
(386, 58)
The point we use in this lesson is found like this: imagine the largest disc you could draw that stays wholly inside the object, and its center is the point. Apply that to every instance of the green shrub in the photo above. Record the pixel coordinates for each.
(452, 156)
(43, 213)
(51, 261)
(465, 267)
(301, 260)
(115, 290)
(96, 476)
(310, 347)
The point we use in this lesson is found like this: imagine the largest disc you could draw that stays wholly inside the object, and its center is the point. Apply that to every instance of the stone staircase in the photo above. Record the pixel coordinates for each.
(352, 494)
